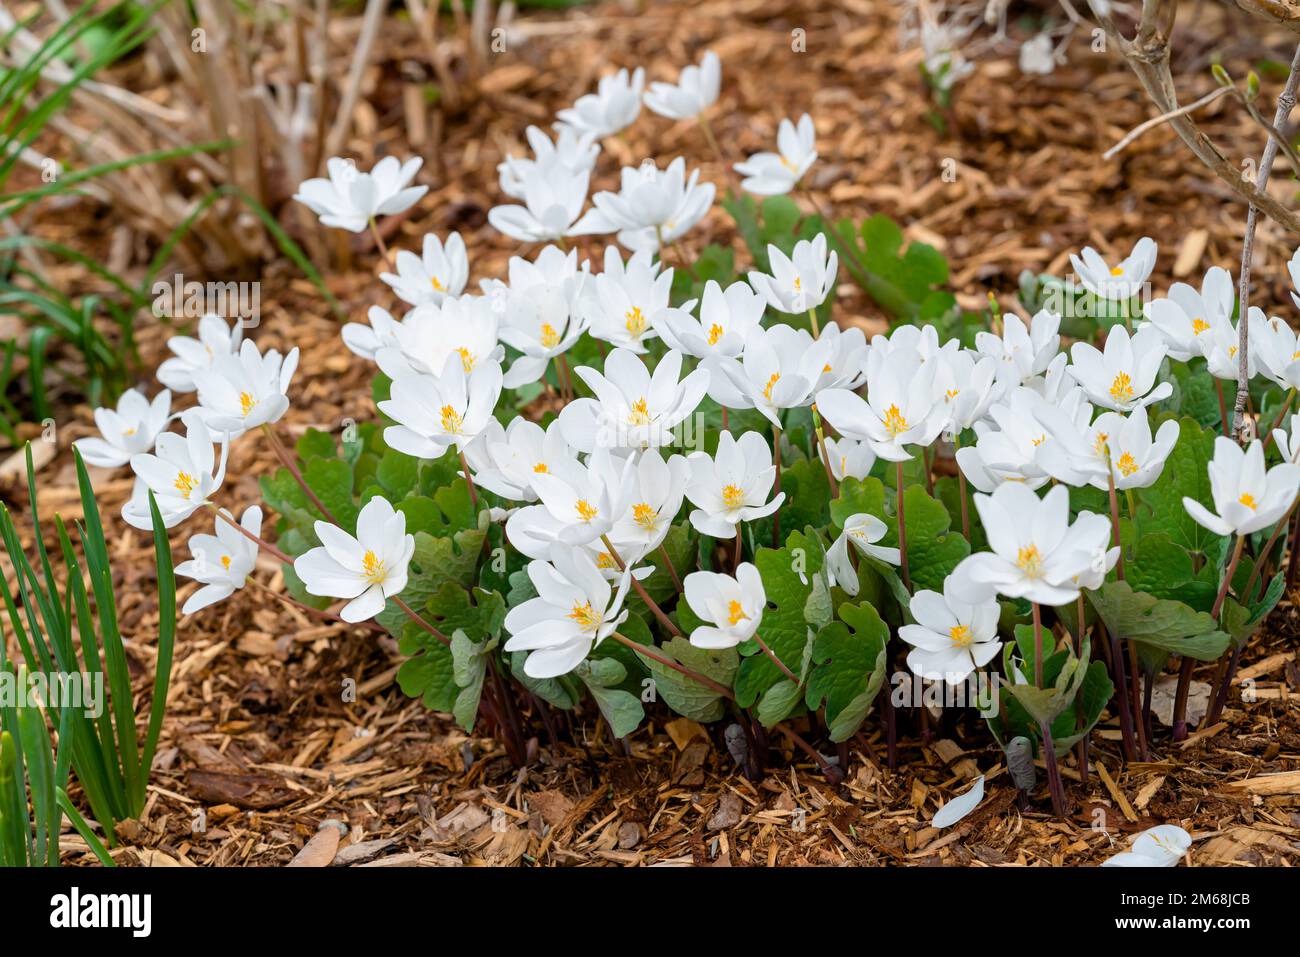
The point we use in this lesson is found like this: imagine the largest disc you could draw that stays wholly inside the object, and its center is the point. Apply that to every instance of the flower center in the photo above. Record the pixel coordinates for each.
(1248, 500)
(1029, 561)
(451, 421)
(1198, 326)
(586, 511)
(437, 284)
(225, 562)
(635, 321)
(1121, 390)
(1117, 271)
(246, 403)
(1040, 440)
(767, 389)
(550, 338)
(640, 414)
(798, 283)
(606, 560)
(1127, 465)
(467, 360)
(960, 636)
(127, 433)
(540, 467)
(185, 484)
(895, 422)
(1099, 443)
(733, 496)
(735, 613)
(586, 618)
(1232, 351)
(373, 567)
(788, 165)
(715, 333)
(951, 394)
(645, 516)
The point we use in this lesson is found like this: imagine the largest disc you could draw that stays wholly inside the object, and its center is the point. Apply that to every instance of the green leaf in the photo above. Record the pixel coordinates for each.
(684, 695)
(1185, 474)
(622, 710)
(470, 662)
(849, 657)
(778, 702)
(1169, 625)
(785, 574)
(1163, 568)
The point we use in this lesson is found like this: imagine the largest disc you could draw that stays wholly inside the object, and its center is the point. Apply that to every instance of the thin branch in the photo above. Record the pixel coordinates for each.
(1163, 118)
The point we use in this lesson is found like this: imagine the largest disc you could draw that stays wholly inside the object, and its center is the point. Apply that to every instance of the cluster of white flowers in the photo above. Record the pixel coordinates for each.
(593, 496)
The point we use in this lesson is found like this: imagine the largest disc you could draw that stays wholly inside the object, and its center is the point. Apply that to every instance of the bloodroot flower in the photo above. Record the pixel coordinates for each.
(733, 605)
(951, 637)
(179, 473)
(350, 199)
(222, 562)
(1246, 497)
(130, 428)
(368, 569)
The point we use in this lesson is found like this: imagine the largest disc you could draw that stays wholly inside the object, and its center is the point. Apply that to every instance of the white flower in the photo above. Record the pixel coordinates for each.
(429, 335)
(575, 609)
(179, 473)
(1220, 346)
(130, 428)
(440, 273)
(1185, 317)
(652, 206)
(1119, 282)
(542, 311)
(963, 387)
(578, 505)
(350, 199)
(658, 487)
(694, 92)
(368, 569)
(778, 370)
(1022, 353)
(222, 562)
(574, 151)
(1161, 846)
(951, 637)
(1124, 376)
(553, 197)
(943, 63)
(1293, 267)
(632, 409)
(242, 392)
(801, 281)
(612, 108)
(1035, 553)
(1274, 346)
(732, 486)
(849, 458)
(863, 531)
(1013, 452)
(193, 355)
(1289, 445)
(505, 461)
(365, 341)
(899, 410)
(1037, 55)
(846, 358)
(1114, 446)
(775, 174)
(433, 413)
(727, 320)
(628, 301)
(733, 605)
(1246, 497)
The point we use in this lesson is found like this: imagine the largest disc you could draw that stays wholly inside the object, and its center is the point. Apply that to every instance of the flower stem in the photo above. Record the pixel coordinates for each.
(812, 317)
(1281, 414)
(776, 462)
(261, 542)
(1038, 645)
(1185, 671)
(1114, 515)
(469, 480)
(677, 582)
(767, 650)
(379, 244)
(825, 455)
(286, 459)
(736, 561)
(416, 617)
(961, 491)
(717, 150)
(902, 529)
(640, 590)
(1225, 423)
(650, 652)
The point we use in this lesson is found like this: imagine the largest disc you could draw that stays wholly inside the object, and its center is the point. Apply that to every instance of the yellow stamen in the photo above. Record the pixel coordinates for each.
(185, 484)
(735, 613)
(715, 333)
(373, 566)
(225, 562)
(1127, 465)
(437, 284)
(951, 394)
(606, 560)
(645, 515)
(767, 389)
(584, 615)
(1117, 271)
(451, 421)
(733, 496)
(549, 338)
(1198, 326)
(1232, 351)
(640, 414)
(895, 422)
(467, 359)
(1029, 561)
(635, 321)
(128, 432)
(246, 403)
(798, 283)
(586, 511)
(960, 636)
(1099, 444)
(1121, 390)
(1040, 440)
(540, 467)
(788, 165)
(1248, 500)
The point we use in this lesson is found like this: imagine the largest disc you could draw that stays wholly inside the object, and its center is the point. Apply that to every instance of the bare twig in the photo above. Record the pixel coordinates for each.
(1163, 118)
